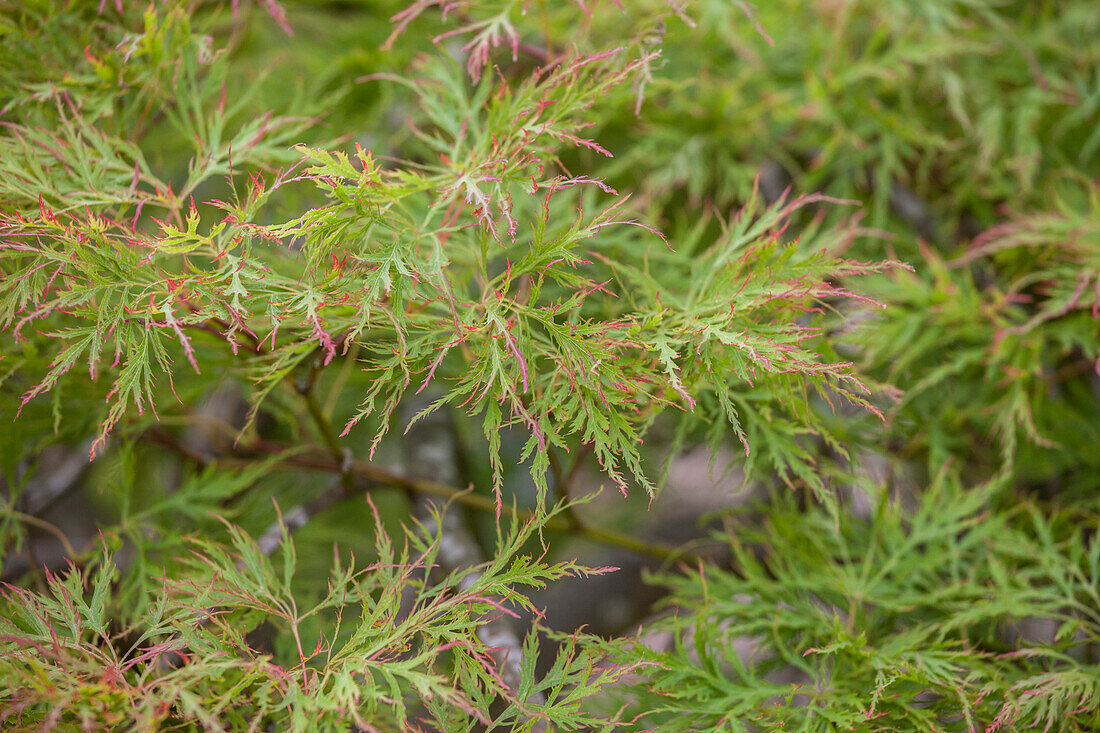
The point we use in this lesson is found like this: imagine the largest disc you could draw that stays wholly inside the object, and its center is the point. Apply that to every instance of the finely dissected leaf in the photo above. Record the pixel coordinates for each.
(894, 623)
(393, 640)
(473, 272)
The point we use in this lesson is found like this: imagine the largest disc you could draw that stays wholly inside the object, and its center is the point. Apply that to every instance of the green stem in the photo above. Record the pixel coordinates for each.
(561, 483)
(328, 435)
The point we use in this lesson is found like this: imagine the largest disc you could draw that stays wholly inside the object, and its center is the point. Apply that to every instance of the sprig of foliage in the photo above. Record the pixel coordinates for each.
(428, 271)
(382, 647)
(903, 622)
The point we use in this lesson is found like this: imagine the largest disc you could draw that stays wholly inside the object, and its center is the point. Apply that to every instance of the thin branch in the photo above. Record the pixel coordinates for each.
(34, 521)
(382, 478)
(562, 483)
(465, 497)
(342, 456)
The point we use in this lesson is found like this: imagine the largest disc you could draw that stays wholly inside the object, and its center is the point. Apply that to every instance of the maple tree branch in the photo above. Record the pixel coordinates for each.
(381, 478)
(341, 455)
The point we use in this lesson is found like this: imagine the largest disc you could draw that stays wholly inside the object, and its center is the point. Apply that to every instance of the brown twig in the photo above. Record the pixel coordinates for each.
(34, 521)
(381, 478)
(341, 455)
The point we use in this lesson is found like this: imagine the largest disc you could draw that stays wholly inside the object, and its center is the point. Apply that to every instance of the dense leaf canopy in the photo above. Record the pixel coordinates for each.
(254, 256)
